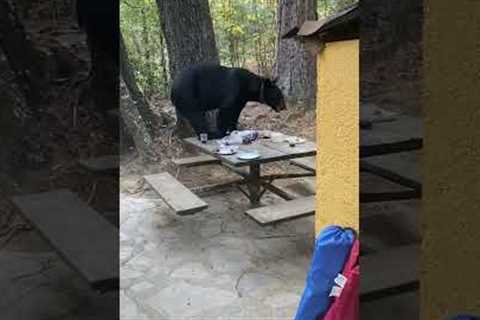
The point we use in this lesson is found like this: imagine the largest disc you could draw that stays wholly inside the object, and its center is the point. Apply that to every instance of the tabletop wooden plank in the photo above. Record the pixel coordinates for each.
(266, 155)
(405, 165)
(403, 128)
(85, 239)
(299, 150)
(268, 151)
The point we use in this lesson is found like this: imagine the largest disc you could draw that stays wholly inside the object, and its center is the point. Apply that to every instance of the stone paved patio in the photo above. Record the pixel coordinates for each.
(217, 264)
(40, 286)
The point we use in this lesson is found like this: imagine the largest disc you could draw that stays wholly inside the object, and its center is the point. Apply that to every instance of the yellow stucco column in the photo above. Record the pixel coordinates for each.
(450, 209)
(338, 135)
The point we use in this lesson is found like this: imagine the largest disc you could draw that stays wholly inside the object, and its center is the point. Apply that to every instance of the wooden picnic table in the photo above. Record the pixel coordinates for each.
(270, 151)
(402, 133)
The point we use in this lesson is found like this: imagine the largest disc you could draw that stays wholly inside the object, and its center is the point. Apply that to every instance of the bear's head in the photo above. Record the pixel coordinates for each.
(273, 96)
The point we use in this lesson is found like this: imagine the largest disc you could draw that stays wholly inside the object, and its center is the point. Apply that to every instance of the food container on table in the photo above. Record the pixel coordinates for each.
(240, 137)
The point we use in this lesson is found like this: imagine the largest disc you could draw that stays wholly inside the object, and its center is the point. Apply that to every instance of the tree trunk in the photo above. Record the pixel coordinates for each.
(136, 126)
(294, 66)
(188, 30)
(100, 21)
(136, 95)
(19, 51)
(391, 51)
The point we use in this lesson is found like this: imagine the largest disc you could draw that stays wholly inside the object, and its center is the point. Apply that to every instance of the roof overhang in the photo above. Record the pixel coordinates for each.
(341, 26)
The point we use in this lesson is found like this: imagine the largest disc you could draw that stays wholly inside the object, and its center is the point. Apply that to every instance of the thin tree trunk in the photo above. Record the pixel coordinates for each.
(149, 85)
(139, 101)
(136, 126)
(163, 63)
(294, 66)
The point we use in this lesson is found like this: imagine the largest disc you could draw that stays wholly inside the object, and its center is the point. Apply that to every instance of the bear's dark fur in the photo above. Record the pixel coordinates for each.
(202, 88)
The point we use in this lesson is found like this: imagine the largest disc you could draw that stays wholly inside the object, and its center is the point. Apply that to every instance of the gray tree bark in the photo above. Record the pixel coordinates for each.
(136, 95)
(294, 67)
(189, 35)
(14, 41)
(136, 126)
(188, 31)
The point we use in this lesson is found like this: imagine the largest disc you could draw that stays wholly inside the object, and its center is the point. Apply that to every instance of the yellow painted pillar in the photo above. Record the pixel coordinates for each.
(451, 198)
(338, 135)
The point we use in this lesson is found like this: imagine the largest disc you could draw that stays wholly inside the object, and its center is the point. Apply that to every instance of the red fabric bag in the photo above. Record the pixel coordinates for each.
(346, 303)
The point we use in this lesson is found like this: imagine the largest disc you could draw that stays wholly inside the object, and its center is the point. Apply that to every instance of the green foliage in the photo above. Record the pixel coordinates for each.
(140, 26)
(329, 7)
(245, 31)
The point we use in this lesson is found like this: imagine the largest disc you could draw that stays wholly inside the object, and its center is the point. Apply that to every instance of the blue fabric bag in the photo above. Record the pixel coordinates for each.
(332, 249)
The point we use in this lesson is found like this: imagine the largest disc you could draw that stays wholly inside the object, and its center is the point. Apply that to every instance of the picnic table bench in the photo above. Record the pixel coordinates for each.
(390, 272)
(400, 168)
(80, 235)
(389, 151)
(284, 211)
(402, 134)
(386, 152)
(394, 168)
(175, 194)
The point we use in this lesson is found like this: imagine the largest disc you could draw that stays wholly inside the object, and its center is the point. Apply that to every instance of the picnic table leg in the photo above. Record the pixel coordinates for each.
(254, 184)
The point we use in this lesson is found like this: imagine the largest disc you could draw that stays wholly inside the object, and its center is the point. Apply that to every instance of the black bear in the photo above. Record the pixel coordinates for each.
(208, 87)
